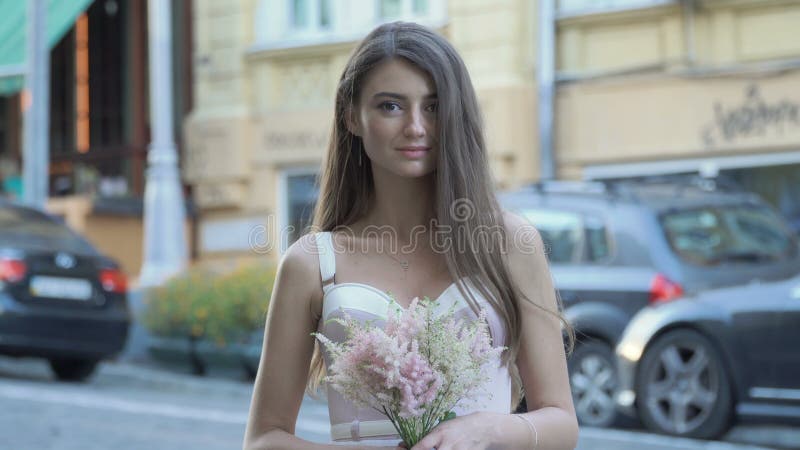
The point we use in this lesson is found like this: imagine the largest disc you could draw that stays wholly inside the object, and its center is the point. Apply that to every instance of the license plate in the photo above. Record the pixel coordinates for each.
(58, 287)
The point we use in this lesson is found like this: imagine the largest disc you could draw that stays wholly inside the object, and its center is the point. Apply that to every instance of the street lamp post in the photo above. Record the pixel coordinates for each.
(546, 83)
(164, 212)
(36, 138)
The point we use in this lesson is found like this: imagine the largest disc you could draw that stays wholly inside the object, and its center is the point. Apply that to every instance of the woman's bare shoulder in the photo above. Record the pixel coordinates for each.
(525, 249)
(299, 266)
(519, 229)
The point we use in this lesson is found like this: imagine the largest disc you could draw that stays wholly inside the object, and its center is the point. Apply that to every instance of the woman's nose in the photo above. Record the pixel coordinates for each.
(415, 127)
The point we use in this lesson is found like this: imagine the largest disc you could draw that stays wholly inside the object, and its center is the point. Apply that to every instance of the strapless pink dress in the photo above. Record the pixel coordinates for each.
(365, 426)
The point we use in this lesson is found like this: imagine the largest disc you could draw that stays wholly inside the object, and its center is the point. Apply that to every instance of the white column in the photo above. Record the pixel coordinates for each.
(36, 131)
(164, 211)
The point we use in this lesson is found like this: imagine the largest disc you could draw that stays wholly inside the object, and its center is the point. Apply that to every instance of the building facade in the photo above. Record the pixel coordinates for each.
(644, 87)
(666, 87)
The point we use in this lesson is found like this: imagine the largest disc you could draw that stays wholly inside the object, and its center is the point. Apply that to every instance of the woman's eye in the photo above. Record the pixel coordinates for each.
(389, 106)
(432, 107)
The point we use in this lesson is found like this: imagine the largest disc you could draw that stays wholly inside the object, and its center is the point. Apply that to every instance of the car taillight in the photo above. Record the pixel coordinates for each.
(12, 270)
(113, 280)
(662, 289)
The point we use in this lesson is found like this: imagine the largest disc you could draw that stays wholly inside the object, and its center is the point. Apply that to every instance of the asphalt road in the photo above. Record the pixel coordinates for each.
(129, 407)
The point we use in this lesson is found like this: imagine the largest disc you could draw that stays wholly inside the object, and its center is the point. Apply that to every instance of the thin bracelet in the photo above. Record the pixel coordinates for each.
(532, 426)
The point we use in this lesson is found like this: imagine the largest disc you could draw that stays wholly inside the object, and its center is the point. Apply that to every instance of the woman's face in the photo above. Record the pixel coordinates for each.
(396, 119)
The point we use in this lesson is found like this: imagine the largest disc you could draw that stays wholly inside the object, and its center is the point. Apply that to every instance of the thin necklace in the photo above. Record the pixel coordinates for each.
(403, 264)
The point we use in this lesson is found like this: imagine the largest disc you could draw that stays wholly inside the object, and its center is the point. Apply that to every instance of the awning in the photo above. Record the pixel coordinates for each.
(61, 15)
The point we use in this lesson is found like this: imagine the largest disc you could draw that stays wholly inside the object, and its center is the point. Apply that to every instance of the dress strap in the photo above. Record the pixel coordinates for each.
(327, 259)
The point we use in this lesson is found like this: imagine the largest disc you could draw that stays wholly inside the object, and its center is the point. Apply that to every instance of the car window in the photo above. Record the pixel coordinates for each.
(568, 236)
(18, 224)
(712, 235)
(597, 248)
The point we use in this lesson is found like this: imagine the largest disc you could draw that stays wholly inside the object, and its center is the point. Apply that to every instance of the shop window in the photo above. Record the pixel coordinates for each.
(62, 96)
(778, 185)
(576, 7)
(87, 105)
(106, 62)
(3, 125)
(10, 177)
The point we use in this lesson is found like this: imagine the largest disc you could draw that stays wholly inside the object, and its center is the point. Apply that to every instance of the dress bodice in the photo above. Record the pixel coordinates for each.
(364, 302)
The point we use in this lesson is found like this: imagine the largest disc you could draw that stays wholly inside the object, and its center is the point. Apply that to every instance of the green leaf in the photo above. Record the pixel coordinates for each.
(448, 415)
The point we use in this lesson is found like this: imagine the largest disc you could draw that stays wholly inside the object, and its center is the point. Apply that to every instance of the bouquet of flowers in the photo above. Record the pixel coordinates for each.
(416, 369)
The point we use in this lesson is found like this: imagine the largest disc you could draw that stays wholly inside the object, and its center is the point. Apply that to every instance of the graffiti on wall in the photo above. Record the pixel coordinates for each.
(753, 117)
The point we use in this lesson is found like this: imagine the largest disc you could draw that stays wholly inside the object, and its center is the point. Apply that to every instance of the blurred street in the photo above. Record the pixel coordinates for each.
(159, 158)
(130, 407)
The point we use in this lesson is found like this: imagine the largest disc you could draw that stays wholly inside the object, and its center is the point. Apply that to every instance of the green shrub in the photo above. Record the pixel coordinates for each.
(201, 303)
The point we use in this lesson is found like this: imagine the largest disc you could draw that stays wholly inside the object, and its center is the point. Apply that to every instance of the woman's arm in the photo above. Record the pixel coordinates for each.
(541, 360)
(550, 422)
(286, 353)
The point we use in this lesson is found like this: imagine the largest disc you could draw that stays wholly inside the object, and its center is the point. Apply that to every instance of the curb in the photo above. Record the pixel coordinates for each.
(146, 374)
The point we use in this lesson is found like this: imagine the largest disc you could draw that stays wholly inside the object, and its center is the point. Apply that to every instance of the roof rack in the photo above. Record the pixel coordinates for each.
(626, 188)
(682, 183)
(566, 186)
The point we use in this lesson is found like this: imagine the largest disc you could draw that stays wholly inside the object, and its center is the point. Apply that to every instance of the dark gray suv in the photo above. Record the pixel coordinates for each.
(616, 247)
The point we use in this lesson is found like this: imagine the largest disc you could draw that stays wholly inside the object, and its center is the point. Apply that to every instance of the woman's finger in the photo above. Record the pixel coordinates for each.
(431, 441)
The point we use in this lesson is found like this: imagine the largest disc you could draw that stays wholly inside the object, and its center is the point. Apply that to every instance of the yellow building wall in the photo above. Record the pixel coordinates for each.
(497, 42)
(713, 33)
(649, 84)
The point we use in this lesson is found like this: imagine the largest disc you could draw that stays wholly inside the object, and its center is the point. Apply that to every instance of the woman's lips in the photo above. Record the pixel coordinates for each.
(414, 152)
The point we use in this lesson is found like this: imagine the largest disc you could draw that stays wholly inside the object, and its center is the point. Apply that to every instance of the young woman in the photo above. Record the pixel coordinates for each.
(407, 156)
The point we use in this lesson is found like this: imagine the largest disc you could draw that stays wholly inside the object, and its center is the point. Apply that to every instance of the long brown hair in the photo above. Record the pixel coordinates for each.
(464, 200)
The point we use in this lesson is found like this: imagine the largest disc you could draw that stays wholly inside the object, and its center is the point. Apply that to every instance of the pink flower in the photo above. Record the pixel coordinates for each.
(415, 369)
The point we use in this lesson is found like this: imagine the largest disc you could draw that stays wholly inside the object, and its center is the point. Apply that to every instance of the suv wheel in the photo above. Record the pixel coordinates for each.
(682, 387)
(68, 369)
(593, 378)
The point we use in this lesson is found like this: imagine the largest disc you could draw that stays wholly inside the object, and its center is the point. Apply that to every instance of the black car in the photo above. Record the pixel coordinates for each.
(688, 367)
(59, 298)
(617, 247)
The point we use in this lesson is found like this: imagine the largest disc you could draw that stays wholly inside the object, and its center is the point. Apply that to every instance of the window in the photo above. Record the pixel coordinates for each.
(741, 233)
(62, 96)
(282, 24)
(10, 179)
(778, 185)
(590, 6)
(4, 134)
(298, 197)
(396, 9)
(570, 237)
(310, 15)
(597, 245)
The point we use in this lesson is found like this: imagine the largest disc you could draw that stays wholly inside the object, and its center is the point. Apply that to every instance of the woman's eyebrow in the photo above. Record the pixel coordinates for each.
(400, 96)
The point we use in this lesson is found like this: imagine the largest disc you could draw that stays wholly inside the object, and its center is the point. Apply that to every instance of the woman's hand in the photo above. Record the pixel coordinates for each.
(474, 431)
